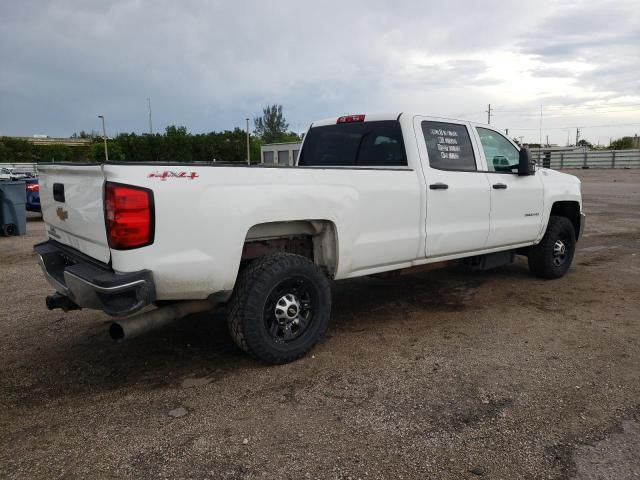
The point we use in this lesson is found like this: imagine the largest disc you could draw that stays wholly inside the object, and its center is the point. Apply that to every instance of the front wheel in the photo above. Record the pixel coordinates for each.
(552, 257)
(280, 308)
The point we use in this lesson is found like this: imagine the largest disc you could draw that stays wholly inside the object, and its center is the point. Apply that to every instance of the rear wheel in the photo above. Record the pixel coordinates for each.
(280, 308)
(552, 257)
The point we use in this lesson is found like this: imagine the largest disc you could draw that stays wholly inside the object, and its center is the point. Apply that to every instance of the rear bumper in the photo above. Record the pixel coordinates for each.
(91, 284)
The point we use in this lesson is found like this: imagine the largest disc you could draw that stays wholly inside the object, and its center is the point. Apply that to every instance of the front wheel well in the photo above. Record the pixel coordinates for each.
(568, 209)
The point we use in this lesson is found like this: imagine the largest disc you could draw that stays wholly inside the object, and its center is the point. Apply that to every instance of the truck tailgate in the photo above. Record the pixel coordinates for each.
(72, 207)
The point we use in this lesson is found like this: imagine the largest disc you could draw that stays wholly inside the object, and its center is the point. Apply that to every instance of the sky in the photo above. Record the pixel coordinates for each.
(210, 64)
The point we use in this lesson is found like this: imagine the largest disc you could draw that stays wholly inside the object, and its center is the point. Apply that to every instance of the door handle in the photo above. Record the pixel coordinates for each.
(499, 186)
(438, 186)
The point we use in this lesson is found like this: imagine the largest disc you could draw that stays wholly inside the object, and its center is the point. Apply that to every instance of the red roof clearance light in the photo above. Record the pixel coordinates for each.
(128, 216)
(350, 119)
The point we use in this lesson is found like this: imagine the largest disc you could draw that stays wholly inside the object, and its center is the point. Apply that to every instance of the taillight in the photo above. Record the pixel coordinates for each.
(128, 216)
(351, 119)
(33, 187)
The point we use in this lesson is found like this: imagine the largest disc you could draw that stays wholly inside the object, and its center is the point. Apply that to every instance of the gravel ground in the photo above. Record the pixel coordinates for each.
(445, 374)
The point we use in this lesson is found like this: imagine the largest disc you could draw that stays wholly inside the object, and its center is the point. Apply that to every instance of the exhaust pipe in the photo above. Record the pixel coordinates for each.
(131, 327)
(57, 300)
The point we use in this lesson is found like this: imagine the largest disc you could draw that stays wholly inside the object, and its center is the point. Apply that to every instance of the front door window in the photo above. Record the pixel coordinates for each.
(500, 153)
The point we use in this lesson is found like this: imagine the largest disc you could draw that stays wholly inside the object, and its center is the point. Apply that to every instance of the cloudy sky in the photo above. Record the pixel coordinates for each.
(209, 64)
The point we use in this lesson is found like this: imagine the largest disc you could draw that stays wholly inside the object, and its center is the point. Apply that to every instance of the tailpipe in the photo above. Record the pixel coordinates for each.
(131, 327)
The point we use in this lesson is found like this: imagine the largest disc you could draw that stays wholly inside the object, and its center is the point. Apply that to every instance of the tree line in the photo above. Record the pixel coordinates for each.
(176, 144)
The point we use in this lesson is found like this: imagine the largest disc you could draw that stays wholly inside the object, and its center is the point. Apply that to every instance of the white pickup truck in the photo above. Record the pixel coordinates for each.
(369, 194)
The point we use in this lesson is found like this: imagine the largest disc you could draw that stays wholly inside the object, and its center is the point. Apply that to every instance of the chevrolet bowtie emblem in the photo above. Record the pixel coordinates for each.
(62, 213)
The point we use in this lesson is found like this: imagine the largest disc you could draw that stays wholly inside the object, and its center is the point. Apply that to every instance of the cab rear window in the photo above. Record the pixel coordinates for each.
(358, 144)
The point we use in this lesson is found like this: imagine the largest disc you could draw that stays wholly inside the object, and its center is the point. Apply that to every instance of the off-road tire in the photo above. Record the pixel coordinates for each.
(247, 307)
(541, 256)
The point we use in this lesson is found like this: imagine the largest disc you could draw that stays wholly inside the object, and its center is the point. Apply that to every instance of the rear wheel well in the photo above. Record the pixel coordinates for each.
(570, 210)
(314, 239)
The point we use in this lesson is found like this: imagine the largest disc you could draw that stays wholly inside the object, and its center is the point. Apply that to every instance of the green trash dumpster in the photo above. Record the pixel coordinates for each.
(13, 214)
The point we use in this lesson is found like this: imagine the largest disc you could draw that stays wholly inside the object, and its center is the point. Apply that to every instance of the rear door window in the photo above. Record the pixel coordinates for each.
(449, 146)
(358, 144)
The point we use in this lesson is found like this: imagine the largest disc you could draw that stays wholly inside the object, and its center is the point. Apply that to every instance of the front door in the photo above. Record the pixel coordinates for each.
(516, 201)
(457, 190)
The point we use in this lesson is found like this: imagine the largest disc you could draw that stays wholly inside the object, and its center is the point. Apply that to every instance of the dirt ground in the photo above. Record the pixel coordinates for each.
(444, 375)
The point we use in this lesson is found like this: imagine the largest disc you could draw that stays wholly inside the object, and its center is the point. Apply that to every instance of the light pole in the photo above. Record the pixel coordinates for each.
(104, 136)
(150, 124)
(248, 149)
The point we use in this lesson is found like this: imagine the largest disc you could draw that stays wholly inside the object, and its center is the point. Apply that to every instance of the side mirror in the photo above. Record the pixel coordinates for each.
(526, 165)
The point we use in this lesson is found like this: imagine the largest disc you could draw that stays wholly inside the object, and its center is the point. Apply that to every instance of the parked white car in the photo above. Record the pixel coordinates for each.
(370, 194)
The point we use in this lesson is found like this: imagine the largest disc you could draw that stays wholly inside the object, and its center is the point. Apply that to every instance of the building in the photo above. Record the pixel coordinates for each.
(280, 153)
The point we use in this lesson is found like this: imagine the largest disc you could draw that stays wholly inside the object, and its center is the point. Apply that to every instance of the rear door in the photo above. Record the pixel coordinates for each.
(367, 158)
(72, 207)
(457, 189)
(516, 201)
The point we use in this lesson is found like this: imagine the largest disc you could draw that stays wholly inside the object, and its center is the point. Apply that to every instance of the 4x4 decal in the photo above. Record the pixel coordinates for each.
(171, 174)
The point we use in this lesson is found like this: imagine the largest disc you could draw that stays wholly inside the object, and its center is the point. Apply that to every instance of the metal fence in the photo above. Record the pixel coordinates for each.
(588, 159)
(24, 167)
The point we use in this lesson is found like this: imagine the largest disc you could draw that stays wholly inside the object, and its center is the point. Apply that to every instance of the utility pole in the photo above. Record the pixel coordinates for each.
(577, 135)
(150, 124)
(547, 140)
(248, 143)
(104, 136)
(489, 114)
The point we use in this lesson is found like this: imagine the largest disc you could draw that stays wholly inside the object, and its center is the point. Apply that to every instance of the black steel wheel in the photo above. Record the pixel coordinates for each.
(289, 309)
(561, 251)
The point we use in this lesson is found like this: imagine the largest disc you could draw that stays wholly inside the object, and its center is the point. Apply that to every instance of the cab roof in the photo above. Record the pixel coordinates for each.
(373, 117)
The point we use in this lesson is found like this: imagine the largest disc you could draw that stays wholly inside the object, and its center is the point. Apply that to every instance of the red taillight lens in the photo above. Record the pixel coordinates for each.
(33, 187)
(129, 216)
(351, 119)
